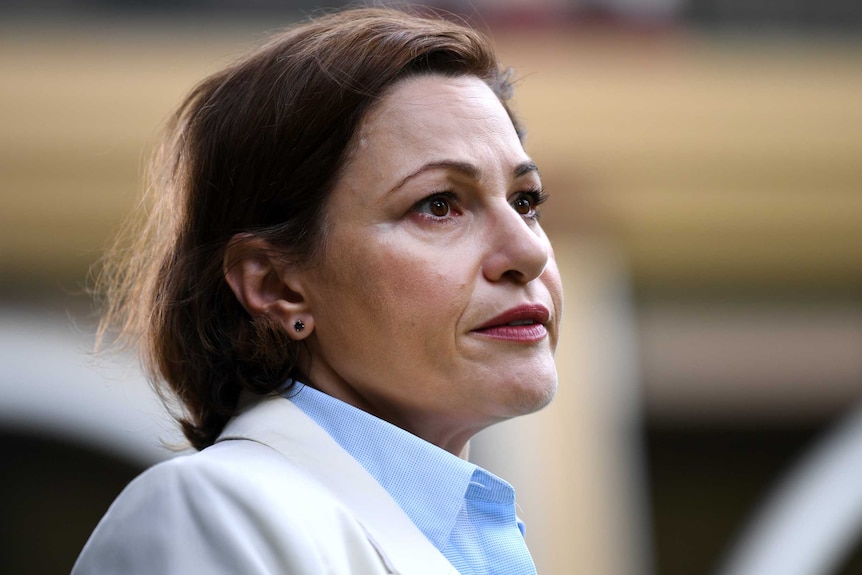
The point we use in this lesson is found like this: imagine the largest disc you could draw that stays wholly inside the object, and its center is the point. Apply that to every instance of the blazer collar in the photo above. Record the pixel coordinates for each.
(277, 423)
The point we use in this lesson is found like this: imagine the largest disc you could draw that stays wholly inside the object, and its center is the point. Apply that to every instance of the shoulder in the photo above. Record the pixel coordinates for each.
(238, 506)
(235, 469)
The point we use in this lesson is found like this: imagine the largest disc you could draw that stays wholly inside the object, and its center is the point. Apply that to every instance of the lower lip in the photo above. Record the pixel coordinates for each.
(519, 333)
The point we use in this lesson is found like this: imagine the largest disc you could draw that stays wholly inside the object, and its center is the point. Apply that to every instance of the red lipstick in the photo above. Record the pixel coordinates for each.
(525, 323)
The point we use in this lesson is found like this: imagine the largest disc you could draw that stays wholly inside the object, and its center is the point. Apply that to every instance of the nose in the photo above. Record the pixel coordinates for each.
(517, 250)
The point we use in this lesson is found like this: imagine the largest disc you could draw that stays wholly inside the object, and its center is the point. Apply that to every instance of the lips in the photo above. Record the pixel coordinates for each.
(524, 323)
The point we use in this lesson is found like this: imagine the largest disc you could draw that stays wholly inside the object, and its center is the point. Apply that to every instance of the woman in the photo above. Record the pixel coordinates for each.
(342, 280)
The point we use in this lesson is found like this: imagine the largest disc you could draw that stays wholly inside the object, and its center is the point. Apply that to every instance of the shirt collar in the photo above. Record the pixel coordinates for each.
(427, 482)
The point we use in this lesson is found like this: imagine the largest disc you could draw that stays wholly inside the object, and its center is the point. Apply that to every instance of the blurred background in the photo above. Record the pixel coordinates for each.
(704, 162)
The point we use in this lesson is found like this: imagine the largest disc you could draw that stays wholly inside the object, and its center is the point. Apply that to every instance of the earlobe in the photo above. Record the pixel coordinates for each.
(261, 283)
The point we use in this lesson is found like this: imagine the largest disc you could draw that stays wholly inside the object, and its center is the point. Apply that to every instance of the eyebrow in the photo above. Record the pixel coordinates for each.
(465, 168)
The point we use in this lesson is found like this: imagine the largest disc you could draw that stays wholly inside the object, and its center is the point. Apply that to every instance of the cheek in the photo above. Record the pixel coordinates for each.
(417, 289)
(392, 285)
(426, 292)
(553, 283)
(396, 289)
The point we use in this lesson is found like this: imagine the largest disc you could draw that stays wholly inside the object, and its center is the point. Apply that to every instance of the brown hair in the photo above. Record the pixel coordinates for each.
(255, 149)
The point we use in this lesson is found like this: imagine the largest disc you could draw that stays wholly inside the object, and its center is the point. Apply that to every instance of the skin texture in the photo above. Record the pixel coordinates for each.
(431, 233)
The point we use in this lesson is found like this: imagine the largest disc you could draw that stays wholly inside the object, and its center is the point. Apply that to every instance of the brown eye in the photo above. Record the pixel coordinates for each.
(439, 207)
(523, 205)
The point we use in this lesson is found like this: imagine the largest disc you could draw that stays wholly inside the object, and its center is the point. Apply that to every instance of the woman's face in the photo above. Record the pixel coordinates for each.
(436, 305)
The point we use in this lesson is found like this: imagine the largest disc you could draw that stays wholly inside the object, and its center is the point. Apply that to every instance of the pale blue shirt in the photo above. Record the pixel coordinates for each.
(465, 511)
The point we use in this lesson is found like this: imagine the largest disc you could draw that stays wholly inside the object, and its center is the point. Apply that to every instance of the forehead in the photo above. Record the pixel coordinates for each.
(437, 114)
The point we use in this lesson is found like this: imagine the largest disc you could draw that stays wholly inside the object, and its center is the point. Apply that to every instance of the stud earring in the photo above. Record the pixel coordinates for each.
(298, 325)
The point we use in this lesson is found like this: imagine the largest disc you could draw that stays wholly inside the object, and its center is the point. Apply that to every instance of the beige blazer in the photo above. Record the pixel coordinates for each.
(275, 495)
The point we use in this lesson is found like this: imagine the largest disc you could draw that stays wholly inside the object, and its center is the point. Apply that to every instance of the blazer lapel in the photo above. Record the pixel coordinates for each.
(276, 422)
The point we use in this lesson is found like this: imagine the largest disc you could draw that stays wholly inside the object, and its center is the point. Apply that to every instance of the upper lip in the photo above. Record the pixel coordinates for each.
(537, 313)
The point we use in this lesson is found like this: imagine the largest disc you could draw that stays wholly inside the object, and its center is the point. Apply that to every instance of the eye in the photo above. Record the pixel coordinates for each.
(523, 205)
(527, 203)
(438, 205)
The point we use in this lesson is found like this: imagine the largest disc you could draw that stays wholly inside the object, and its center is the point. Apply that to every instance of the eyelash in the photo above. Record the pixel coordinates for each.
(450, 197)
(537, 197)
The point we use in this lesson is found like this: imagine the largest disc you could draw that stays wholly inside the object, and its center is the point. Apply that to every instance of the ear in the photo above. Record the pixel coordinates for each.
(266, 285)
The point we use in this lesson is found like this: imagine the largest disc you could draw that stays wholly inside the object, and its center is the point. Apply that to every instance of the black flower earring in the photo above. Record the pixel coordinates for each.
(298, 325)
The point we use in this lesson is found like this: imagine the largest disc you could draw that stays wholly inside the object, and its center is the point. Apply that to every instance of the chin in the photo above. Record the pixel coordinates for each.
(532, 394)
